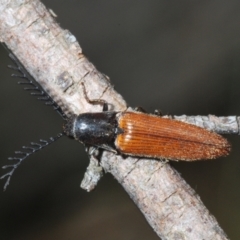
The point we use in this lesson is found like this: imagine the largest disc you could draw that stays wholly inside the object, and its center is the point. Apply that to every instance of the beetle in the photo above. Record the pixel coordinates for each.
(146, 135)
(131, 133)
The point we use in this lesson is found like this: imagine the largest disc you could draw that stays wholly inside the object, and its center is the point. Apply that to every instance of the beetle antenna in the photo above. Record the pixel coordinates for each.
(30, 84)
(26, 152)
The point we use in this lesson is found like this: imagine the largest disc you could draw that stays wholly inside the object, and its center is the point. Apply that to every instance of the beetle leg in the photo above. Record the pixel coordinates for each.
(95, 101)
(140, 109)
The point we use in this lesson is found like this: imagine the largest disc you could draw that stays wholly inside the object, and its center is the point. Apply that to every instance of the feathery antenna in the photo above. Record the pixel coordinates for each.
(36, 90)
(31, 85)
(26, 152)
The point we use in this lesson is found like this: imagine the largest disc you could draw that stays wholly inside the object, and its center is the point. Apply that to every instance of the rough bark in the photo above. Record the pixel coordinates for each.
(54, 58)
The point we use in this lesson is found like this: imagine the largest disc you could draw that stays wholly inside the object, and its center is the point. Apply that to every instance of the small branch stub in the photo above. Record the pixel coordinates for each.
(94, 171)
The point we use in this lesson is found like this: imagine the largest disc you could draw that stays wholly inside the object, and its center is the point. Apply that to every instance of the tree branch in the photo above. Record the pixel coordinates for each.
(54, 58)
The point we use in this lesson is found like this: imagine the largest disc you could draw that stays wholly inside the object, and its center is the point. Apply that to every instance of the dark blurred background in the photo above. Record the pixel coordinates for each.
(182, 57)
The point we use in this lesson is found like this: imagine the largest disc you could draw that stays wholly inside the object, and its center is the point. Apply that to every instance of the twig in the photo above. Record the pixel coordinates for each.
(54, 58)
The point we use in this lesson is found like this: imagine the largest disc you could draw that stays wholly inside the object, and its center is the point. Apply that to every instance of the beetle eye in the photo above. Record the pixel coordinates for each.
(68, 127)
